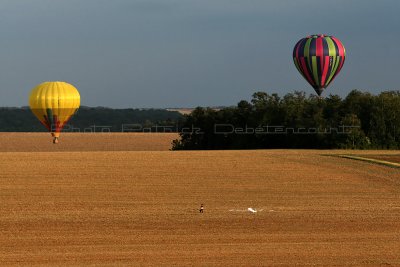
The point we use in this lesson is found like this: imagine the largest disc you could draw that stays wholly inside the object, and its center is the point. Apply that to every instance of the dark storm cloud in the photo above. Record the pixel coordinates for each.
(159, 53)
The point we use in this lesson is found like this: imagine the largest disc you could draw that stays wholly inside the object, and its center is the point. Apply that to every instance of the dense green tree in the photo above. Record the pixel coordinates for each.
(385, 120)
(354, 138)
(359, 121)
(23, 120)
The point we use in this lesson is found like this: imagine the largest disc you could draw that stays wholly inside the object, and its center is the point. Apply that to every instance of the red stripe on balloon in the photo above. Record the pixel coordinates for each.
(320, 48)
(339, 45)
(305, 71)
(341, 53)
(298, 46)
(325, 71)
(341, 63)
(297, 50)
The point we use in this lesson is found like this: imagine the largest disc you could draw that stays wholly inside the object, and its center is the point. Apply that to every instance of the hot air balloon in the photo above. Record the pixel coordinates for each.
(319, 58)
(54, 103)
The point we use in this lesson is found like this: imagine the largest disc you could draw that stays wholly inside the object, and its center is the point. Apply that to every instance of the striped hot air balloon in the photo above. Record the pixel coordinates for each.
(319, 58)
(54, 103)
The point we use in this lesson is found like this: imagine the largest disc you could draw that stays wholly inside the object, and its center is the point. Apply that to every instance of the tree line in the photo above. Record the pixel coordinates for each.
(96, 119)
(361, 120)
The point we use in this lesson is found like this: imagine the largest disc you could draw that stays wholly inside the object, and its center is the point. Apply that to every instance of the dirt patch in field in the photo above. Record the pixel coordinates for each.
(141, 208)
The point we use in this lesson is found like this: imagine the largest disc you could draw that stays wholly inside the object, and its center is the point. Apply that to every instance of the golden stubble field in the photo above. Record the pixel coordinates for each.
(42, 142)
(140, 208)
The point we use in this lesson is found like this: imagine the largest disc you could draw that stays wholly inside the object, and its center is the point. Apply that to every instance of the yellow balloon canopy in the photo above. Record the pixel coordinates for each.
(54, 103)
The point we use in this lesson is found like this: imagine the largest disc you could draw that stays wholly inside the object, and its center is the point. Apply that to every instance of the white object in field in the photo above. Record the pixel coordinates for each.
(252, 210)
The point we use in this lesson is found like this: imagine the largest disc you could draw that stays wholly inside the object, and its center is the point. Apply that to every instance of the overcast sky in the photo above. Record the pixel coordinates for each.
(185, 53)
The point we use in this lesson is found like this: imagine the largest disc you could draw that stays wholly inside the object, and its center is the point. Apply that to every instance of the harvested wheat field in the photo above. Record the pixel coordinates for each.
(141, 208)
(42, 142)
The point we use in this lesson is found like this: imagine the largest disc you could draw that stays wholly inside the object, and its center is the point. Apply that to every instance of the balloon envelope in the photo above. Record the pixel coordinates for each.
(54, 103)
(319, 58)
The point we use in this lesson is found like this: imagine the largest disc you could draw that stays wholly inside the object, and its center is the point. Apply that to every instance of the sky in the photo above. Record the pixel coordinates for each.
(187, 53)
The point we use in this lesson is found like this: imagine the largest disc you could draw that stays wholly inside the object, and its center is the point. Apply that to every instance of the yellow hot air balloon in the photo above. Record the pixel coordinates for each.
(54, 103)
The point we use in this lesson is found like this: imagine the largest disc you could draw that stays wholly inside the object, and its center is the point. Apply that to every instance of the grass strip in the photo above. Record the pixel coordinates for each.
(375, 161)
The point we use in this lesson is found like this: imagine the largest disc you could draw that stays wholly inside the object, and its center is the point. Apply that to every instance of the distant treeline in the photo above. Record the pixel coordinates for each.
(359, 121)
(97, 119)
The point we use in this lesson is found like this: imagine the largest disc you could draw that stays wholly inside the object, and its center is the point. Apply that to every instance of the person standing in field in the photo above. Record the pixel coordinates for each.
(201, 208)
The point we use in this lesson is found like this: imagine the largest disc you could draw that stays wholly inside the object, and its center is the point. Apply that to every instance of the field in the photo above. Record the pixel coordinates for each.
(84, 205)
(42, 142)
